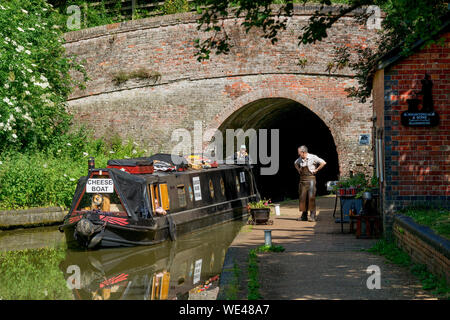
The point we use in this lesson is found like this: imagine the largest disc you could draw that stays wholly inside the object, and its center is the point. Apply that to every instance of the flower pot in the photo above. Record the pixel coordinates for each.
(260, 215)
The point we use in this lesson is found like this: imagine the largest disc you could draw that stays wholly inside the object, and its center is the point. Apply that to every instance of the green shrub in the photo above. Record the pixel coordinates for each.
(34, 75)
(49, 178)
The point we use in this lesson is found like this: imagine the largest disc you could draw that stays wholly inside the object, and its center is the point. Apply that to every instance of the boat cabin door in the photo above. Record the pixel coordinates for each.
(159, 196)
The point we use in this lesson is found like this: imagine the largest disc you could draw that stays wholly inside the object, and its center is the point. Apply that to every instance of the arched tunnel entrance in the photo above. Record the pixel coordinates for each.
(297, 126)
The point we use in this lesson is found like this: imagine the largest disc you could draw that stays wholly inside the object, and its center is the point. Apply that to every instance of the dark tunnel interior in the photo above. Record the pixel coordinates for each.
(297, 126)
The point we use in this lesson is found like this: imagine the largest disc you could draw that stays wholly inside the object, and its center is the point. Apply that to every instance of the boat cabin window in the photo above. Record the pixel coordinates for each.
(211, 189)
(159, 196)
(222, 186)
(181, 190)
(238, 184)
(101, 195)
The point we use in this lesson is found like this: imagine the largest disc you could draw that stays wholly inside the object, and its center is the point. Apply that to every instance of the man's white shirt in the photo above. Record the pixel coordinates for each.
(310, 161)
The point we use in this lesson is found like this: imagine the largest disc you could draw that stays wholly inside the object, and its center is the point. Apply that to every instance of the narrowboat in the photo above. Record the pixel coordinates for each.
(148, 200)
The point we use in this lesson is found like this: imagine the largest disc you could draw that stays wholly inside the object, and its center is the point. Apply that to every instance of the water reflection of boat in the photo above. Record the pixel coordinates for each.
(130, 203)
(164, 271)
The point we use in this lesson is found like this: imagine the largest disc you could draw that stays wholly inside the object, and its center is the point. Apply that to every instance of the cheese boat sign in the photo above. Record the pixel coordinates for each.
(100, 186)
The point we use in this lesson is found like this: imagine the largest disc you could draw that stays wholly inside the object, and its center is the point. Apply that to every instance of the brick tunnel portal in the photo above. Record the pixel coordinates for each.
(297, 126)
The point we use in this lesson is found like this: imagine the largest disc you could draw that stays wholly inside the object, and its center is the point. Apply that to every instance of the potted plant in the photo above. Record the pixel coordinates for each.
(260, 211)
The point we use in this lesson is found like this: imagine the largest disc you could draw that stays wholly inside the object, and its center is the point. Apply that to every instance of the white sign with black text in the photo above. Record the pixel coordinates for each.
(100, 186)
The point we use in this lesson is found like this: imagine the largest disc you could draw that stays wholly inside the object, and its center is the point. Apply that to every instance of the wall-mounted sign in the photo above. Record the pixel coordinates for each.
(425, 117)
(364, 139)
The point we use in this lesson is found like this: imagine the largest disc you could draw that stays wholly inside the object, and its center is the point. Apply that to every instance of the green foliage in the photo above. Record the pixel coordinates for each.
(174, 6)
(397, 256)
(391, 252)
(33, 274)
(253, 274)
(438, 219)
(261, 204)
(49, 178)
(272, 248)
(142, 73)
(112, 11)
(34, 75)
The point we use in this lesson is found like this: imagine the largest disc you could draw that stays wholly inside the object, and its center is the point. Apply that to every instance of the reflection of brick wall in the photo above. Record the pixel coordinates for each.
(421, 248)
(417, 160)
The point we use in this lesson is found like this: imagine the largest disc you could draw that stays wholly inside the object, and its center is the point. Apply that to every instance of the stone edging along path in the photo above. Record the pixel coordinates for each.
(34, 217)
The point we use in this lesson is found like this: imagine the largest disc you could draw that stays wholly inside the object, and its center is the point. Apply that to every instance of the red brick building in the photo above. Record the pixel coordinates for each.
(413, 162)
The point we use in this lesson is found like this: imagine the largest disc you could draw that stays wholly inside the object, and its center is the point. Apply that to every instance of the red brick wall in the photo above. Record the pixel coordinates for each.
(417, 160)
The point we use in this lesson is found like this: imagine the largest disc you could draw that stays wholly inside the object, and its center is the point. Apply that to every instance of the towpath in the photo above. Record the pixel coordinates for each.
(319, 261)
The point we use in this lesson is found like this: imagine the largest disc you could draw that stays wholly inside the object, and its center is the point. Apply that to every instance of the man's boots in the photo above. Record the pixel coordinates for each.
(312, 216)
(304, 216)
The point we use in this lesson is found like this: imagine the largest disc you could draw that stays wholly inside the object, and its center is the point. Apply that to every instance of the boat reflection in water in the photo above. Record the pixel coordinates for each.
(165, 271)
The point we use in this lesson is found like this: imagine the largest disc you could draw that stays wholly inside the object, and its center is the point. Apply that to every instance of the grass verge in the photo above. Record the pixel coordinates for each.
(437, 219)
(253, 270)
(436, 285)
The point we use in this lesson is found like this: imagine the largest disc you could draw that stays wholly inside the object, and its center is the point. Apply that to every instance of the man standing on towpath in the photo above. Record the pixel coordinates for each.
(307, 166)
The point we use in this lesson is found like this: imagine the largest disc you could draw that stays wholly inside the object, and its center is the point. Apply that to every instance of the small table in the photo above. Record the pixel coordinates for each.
(342, 202)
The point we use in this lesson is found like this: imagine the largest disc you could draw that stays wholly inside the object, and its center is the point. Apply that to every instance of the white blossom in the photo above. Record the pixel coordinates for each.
(68, 143)
(24, 11)
(85, 154)
(28, 52)
(19, 48)
(7, 101)
(20, 29)
(27, 117)
(14, 136)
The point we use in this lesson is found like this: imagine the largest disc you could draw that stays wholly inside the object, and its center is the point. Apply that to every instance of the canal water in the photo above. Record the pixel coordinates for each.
(36, 264)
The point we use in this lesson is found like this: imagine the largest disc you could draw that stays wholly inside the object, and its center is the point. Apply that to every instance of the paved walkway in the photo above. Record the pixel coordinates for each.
(319, 262)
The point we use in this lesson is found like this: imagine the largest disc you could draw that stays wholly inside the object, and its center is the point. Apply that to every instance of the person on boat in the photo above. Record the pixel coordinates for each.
(158, 209)
(241, 156)
(307, 166)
